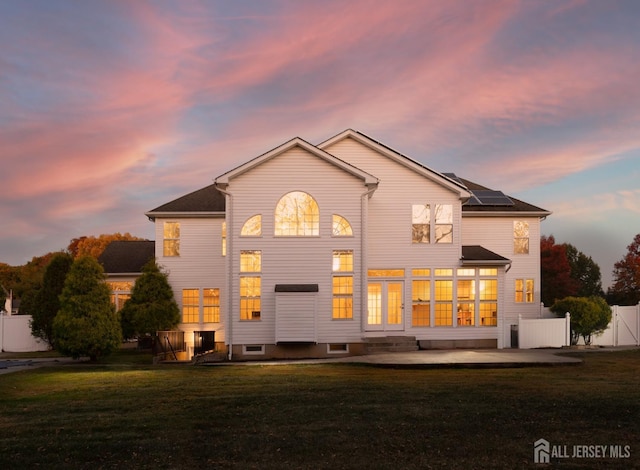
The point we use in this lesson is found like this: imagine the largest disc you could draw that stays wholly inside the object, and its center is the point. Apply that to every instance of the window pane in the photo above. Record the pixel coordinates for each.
(297, 214)
(467, 290)
(385, 272)
(519, 290)
(529, 290)
(211, 305)
(341, 227)
(466, 272)
(421, 223)
(342, 285)
(252, 227)
(466, 316)
(488, 289)
(520, 237)
(444, 290)
(444, 314)
(444, 272)
(488, 314)
(190, 305)
(342, 260)
(421, 272)
(421, 290)
(374, 296)
(488, 272)
(420, 314)
(251, 261)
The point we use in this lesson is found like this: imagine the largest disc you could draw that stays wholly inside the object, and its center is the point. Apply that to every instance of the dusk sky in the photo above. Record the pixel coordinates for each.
(111, 108)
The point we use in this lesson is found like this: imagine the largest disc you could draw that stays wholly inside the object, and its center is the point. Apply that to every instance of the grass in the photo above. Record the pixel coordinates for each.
(127, 413)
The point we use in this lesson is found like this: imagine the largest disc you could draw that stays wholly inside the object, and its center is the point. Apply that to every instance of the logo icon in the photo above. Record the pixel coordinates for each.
(541, 450)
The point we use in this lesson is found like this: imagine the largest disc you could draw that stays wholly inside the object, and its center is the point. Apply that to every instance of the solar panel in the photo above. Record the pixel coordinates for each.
(489, 197)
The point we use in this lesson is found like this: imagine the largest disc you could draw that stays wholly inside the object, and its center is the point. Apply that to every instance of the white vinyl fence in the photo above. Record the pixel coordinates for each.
(623, 330)
(15, 335)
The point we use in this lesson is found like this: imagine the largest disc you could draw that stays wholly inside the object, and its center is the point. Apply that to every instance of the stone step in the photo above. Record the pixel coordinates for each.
(382, 344)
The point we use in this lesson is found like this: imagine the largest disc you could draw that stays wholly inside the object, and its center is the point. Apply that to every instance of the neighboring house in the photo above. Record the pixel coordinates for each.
(312, 250)
(122, 261)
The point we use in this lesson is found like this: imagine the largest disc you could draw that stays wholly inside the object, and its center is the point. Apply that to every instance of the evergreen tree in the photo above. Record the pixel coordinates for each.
(86, 324)
(152, 306)
(47, 300)
(626, 277)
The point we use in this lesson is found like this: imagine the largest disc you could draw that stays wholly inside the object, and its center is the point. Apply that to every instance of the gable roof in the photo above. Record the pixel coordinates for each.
(400, 158)
(126, 256)
(204, 202)
(368, 179)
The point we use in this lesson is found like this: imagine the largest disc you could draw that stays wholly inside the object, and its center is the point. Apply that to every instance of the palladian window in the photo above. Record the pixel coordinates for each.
(297, 215)
(341, 227)
(252, 227)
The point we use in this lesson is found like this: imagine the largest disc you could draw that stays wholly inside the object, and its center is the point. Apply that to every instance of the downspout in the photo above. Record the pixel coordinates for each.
(228, 217)
(364, 213)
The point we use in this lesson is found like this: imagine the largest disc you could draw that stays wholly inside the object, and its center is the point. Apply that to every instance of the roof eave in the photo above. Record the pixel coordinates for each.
(506, 213)
(184, 215)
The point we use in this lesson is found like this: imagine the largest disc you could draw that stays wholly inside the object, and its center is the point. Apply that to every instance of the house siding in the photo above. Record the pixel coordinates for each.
(288, 260)
(199, 266)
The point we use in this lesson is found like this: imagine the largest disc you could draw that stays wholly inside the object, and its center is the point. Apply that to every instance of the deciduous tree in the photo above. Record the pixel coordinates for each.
(86, 324)
(555, 272)
(94, 246)
(152, 306)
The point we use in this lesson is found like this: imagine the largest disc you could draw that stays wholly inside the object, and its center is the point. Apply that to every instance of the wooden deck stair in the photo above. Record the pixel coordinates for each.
(385, 344)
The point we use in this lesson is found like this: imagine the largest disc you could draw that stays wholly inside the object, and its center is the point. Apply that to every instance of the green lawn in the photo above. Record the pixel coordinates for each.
(127, 413)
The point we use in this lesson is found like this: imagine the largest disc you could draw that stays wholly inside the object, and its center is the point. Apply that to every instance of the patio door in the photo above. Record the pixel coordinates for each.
(385, 305)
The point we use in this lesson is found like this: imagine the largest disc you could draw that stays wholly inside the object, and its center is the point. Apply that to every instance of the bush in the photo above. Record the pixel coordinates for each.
(589, 316)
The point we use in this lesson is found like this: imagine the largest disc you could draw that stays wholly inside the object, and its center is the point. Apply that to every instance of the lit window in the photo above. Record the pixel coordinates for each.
(171, 242)
(297, 215)
(250, 261)
(120, 292)
(488, 271)
(520, 237)
(421, 305)
(342, 297)
(524, 290)
(252, 227)
(250, 290)
(190, 305)
(341, 227)
(488, 302)
(250, 286)
(444, 223)
(466, 302)
(466, 272)
(444, 302)
(224, 238)
(385, 272)
(421, 223)
(421, 272)
(211, 305)
(342, 260)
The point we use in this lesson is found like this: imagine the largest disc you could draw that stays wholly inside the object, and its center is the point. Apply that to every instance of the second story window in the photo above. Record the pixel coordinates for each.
(520, 237)
(171, 242)
(422, 218)
(252, 227)
(297, 215)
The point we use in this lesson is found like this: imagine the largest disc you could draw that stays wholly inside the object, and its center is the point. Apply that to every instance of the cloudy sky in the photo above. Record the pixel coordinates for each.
(112, 108)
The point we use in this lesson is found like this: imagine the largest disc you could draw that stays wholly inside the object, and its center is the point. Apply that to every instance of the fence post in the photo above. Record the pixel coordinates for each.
(567, 329)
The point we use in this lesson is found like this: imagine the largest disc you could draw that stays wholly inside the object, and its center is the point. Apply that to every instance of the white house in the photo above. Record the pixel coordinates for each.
(313, 250)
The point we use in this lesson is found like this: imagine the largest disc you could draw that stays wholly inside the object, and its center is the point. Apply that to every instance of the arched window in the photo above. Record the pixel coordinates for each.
(252, 227)
(297, 215)
(341, 227)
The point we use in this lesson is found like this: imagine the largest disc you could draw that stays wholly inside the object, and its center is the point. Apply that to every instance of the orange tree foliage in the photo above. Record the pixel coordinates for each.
(626, 277)
(94, 246)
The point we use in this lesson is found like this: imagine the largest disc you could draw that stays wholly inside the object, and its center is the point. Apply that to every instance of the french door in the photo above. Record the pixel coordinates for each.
(385, 305)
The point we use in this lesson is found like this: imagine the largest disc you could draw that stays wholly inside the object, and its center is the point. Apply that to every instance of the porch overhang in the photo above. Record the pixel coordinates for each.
(477, 255)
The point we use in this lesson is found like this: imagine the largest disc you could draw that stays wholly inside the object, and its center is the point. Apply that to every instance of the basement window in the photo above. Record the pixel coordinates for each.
(337, 348)
(253, 349)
